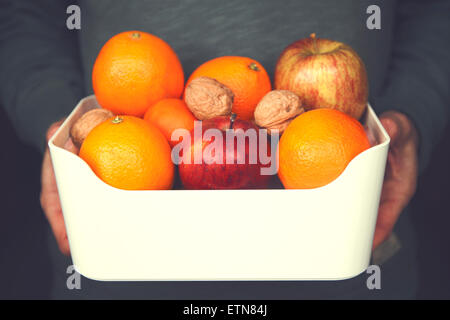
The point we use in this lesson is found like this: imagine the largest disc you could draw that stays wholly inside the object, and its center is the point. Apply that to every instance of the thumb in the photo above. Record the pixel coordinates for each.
(52, 130)
(391, 127)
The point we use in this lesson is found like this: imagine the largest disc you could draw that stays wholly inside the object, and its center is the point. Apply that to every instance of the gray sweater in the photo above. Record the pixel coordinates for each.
(46, 68)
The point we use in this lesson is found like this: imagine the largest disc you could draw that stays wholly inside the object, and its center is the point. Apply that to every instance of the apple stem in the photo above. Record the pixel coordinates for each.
(232, 118)
(313, 37)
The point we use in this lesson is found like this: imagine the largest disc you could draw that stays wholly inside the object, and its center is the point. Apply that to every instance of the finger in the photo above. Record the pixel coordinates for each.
(391, 127)
(56, 220)
(388, 214)
(399, 127)
(53, 128)
(69, 143)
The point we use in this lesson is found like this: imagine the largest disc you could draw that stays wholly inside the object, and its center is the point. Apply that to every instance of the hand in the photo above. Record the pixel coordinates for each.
(49, 194)
(401, 172)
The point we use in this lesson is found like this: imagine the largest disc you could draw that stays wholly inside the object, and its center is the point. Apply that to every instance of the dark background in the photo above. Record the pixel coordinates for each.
(24, 262)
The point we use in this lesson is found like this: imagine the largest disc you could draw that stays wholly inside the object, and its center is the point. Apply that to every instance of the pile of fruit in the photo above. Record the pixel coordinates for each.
(225, 128)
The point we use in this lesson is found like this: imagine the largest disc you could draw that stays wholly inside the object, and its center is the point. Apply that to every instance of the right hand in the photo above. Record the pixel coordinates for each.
(49, 193)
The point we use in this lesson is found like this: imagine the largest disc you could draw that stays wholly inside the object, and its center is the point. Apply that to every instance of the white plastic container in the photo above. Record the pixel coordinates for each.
(323, 233)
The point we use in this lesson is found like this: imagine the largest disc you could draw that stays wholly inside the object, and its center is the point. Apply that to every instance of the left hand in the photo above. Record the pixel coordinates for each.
(401, 172)
(50, 201)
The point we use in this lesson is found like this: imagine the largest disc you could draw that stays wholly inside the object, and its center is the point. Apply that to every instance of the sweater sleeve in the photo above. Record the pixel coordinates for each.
(40, 72)
(418, 81)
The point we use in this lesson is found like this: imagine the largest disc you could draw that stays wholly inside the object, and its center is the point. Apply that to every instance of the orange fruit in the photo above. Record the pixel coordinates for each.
(129, 153)
(169, 115)
(135, 69)
(317, 146)
(246, 77)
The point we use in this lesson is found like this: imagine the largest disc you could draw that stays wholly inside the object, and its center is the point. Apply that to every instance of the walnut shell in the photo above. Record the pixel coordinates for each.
(81, 128)
(208, 98)
(277, 109)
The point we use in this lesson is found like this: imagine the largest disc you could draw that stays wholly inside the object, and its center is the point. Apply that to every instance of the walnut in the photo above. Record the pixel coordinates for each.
(277, 109)
(208, 98)
(81, 128)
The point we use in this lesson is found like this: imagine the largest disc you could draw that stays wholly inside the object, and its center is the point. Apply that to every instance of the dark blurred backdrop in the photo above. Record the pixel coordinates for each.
(24, 262)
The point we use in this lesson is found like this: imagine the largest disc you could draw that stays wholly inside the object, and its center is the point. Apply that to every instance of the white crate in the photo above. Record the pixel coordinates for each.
(322, 233)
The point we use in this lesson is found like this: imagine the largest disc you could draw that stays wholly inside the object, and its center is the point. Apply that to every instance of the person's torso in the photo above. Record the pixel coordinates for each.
(202, 30)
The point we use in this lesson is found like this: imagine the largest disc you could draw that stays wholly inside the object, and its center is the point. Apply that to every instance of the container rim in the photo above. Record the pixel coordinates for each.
(370, 113)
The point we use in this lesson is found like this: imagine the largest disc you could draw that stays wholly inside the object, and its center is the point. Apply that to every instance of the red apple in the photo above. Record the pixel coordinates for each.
(325, 74)
(212, 170)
